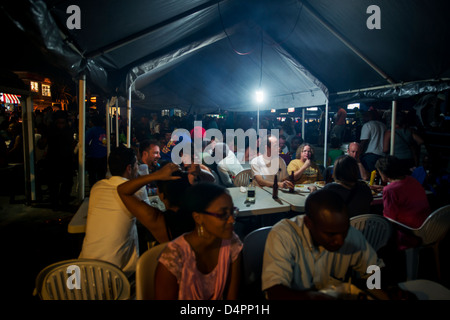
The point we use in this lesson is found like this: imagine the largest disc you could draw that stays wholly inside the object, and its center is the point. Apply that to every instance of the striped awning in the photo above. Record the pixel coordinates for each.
(9, 98)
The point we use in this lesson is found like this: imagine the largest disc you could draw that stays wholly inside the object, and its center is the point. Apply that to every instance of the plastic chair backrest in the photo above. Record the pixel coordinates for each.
(435, 226)
(242, 178)
(253, 252)
(98, 280)
(145, 272)
(375, 228)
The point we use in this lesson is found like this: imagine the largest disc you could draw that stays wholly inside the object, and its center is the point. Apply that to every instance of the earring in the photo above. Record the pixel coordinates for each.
(200, 231)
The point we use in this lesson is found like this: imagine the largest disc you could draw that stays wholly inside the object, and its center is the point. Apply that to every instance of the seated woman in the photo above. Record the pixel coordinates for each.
(163, 225)
(304, 167)
(203, 264)
(356, 194)
(404, 198)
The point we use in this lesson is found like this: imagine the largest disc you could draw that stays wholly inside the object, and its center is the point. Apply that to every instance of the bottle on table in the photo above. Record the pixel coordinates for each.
(250, 192)
(372, 177)
(291, 178)
(275, 187)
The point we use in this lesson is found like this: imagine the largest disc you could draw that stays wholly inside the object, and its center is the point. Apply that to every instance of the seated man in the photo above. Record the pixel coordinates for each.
(310, 252)
(149, 157)
(262, 166)
(111, 233)
(354, 151)
(228, 165)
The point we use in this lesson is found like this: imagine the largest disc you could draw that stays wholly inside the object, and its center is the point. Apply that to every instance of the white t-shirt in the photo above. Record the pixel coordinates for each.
(229, 166)
(111, 232)
(262, 166)
(374, 132)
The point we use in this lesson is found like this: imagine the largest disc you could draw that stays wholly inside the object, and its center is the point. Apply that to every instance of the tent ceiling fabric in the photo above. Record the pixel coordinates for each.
(206, 55)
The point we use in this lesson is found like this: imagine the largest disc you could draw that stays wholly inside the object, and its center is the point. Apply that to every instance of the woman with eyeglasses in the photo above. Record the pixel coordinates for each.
(203, 264)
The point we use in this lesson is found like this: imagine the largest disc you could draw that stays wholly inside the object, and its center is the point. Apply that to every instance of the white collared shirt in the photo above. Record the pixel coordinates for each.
(291, 259)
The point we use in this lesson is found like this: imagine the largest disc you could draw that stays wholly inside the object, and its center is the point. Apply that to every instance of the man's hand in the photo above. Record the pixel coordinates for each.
(285, 184)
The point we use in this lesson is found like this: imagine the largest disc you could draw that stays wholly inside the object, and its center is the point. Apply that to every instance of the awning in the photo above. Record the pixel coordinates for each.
(10, 98)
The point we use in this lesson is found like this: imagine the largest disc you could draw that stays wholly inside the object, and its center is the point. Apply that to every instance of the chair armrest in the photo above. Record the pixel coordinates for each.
(402, 226)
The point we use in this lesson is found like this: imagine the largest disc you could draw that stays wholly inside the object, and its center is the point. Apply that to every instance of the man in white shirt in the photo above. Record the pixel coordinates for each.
(111, 233)
(372, 135)
(310, 252)
(228, 166)
(265, 166)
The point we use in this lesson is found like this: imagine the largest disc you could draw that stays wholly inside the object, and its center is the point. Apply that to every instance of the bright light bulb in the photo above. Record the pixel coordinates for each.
(259, 96)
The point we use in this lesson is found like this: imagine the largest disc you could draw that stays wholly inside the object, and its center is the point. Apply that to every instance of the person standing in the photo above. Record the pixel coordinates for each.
(372, 135)
(60, 167)
(96, 157)
(339, 125)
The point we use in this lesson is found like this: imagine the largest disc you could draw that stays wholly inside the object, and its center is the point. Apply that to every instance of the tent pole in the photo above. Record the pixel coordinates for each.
(117, 122)
(81, 134)
(325, 144)
(108, 128)
(129, 119)
(393, 122)
(29, 152)
(257, 121)
(303, 124)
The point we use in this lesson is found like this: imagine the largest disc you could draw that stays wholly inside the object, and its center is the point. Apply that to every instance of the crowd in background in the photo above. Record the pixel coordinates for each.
(147, 125)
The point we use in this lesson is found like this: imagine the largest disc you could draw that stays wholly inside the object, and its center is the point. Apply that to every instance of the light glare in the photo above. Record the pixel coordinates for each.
(259, 96)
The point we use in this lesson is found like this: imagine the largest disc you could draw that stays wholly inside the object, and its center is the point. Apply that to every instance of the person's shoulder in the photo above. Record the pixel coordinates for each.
(235, 240)
(256, 161)
(332, 186)
(288, 225)
(295, 162)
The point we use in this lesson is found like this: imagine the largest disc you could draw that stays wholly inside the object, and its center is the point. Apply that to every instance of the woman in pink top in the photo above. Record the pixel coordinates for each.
(203, 264)
(404, 198)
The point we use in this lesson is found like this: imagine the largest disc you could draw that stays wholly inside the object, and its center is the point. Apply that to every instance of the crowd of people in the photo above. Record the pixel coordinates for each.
(202, 259)
(203, 256)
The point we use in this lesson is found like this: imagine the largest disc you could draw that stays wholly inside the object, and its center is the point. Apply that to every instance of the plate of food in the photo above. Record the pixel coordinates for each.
(319, 183)
(301, 188)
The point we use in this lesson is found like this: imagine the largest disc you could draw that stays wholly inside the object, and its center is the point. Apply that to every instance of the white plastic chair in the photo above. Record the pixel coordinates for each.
(252, 254)
(426, 289)
(431, 232)
(242, 178)
(145, 272)
(376, 229)
(98, 280)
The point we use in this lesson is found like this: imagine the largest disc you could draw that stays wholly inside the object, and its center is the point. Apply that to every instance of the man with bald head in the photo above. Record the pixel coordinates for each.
(354, 151)
(309, 252)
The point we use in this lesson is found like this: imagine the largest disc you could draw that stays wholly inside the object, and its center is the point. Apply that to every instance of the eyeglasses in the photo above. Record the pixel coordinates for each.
(223, 216)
